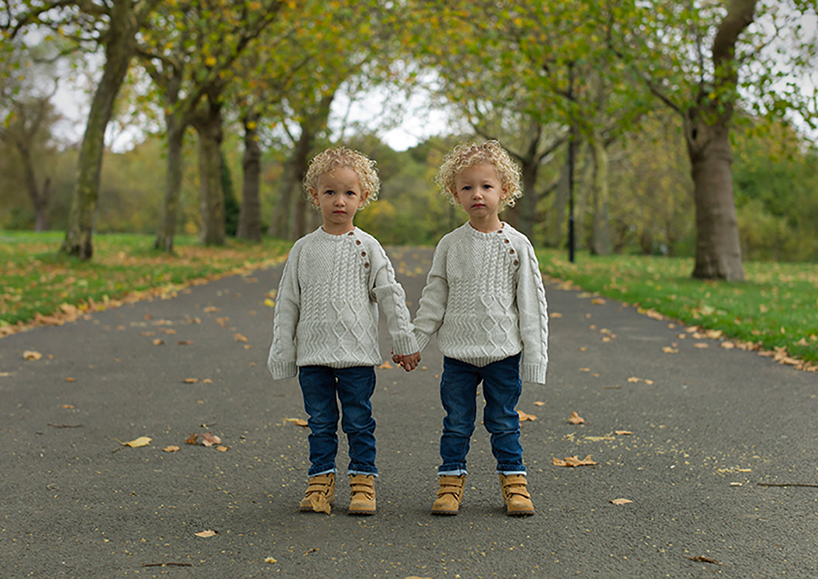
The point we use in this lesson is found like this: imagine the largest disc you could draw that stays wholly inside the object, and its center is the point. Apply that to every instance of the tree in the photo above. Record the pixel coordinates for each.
(691, 57)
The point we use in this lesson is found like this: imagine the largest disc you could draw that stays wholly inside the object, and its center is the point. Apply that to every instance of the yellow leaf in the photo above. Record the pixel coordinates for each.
(170, 448)
(572, 461)
(386, 366)
(205, 534)
(620, 501)
(623, 432)
(190, 380)
(538, 403)
(576, 418)
(526, 417)
(210, 61)
(597, 301)
(158, 342)
(701, 345)
(269, 303)
(728, 345)
(239, 338)
(221, 448)
(669, 350)
(270, 560)
(137, 442)
(31, 355)
(555, 315)
(298, 421)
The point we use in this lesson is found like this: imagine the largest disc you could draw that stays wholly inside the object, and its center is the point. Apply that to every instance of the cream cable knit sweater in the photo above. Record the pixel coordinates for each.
(327, 305)
(485, 299)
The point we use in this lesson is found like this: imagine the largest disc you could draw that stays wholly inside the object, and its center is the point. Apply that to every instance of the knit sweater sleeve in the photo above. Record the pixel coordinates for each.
(281, 360)
(433, 300)
(533, 311)
(390, 296)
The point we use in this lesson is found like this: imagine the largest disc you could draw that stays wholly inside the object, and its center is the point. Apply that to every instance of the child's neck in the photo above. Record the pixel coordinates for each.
(335, 229)
(489, 224)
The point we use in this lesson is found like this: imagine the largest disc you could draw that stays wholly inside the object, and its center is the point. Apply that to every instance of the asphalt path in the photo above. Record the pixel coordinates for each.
(706, 424)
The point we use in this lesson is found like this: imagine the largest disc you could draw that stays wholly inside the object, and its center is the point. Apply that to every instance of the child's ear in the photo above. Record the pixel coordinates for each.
(364, 197)
(453, 191)
(314, 195)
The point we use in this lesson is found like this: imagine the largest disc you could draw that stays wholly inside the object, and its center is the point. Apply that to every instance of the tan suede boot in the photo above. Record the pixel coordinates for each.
(362, 500)
(449, 494)
(518, 501)
(320, 494)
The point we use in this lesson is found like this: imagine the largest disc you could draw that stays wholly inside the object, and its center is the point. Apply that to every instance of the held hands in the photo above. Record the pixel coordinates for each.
(409, 362)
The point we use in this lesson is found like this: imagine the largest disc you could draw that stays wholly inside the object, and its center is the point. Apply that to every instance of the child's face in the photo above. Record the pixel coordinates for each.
(339, 196)
(479, 191)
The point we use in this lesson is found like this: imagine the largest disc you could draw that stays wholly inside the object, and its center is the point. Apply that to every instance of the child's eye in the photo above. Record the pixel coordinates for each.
(329, 192)
(351, 193)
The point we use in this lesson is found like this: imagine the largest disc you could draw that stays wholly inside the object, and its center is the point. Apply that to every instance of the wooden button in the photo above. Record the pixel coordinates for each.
(505, 240)
(516, 262)
(363, 254)
(366, 265)
(511, 251)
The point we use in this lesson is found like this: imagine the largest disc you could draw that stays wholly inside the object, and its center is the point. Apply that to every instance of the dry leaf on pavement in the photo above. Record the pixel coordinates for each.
(270, 560)
(386, 366)
(623, 432)
(297, 421)
(192, 439)
(539, 403)
(137, 442)
(31, 355)
(210, 439)
(526, 417)
(576, 418)
(572, 461)
(205, 534)
(190, 380)
(620, 501)
(171, 448)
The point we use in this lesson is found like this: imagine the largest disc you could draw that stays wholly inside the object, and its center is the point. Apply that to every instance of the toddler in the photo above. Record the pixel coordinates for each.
(325, 327)
(485, 300)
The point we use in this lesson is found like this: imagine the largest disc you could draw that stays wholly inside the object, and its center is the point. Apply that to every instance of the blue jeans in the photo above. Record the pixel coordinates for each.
(458, 392)
(320, 386)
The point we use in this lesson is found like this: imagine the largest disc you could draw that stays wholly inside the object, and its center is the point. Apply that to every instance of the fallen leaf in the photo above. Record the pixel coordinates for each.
(623, 432)
(727, 345)
(572, 461)
(221, 448)
(701, 345)
(701, 559)
(669, 350)
(582, 348)
(584, 369)
(205, 534)
(211, 309)
(634, 379)
(207, 381)
(137, 442)
(648, 382)
(190, 380)
(620, 501)
(386, 366)
(538, 403)
(171, 448)
(526, 417)
(192, 439)
(69, 379)
(298, 421)
(239, 338)
(270, 561)
(184, 343)
(31, 355)
(269, 303)
(598, 301)
(158, 342)
(210, 439)
(554, 315)
(576, 419)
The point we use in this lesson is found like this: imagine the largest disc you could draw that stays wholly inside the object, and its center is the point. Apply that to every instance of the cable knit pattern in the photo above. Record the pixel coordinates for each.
(485, 299)
(327, 305)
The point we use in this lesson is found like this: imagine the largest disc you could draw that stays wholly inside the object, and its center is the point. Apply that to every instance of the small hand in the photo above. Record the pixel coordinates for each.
(410, 361)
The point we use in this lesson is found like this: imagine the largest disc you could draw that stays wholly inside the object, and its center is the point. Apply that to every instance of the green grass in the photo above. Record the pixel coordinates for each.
(777, 305)
(37, 279)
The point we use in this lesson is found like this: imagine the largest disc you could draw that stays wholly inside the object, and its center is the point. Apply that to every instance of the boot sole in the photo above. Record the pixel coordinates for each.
(445, 513)
(361, 513)
(519, 513)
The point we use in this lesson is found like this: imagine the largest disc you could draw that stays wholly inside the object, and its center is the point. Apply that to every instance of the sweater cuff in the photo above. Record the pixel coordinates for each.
(282, 370)
(422, 339)
(405, 345)
(532, 373)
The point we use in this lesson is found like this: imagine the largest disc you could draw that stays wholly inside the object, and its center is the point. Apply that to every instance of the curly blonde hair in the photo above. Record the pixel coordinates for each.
(332, 158)
(491, 152)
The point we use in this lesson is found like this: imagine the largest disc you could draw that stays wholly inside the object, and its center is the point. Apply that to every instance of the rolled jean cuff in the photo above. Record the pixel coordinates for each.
(511, 472)
(328, 471)
(355, 472)
(454, 472)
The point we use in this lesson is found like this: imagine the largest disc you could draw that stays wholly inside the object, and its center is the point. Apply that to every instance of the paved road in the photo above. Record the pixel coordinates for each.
(707, 425)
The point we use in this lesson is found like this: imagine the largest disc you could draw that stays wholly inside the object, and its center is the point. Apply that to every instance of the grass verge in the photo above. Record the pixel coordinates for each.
(42, 286)
(775, 310)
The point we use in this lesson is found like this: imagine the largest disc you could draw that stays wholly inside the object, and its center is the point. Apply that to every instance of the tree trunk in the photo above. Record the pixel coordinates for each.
(557, 216)
(601, 238)
(718, 250)
(118, 52)
(298, 225)
(173, 182)
(39, 197)
(208, 125)
(250, 214)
